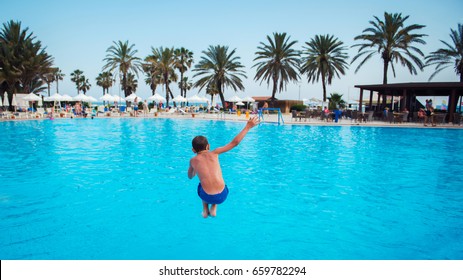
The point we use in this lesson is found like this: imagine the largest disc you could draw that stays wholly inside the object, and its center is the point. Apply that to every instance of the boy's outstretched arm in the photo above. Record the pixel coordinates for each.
(252, 122)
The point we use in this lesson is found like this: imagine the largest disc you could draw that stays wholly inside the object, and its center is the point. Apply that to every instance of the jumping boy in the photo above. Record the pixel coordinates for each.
(212, 189)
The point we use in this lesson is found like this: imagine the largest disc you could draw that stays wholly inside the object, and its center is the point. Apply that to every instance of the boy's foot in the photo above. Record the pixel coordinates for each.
(205, 213)
(213, 211)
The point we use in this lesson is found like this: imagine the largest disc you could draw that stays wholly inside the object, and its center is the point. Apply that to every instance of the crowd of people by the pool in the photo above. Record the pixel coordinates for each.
(425, 115)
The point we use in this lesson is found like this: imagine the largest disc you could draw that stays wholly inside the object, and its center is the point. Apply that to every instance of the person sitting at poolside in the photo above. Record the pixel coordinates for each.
(265, 107)
(212, 189)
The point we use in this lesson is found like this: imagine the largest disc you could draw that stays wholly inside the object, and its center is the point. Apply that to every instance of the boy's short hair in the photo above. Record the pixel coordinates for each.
(199, 143)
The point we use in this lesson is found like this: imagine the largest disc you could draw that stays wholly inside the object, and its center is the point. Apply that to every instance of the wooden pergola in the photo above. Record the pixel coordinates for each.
(409, 92)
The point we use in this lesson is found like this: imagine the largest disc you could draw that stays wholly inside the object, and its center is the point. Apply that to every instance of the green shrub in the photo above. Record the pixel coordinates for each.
(298, 107)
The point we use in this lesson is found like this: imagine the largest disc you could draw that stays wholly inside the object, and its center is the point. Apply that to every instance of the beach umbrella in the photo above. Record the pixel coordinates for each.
(66, 97)
(32, 97)
(6, 102)
(248, 99)
(234, 99)
(157, 98)
(195, 99)
(81, 97)
(13, 102)
(179, 98)
(240, 103)
(132, 97)
(107, 98)
(55, 97)
(91, 99)
(118, 98)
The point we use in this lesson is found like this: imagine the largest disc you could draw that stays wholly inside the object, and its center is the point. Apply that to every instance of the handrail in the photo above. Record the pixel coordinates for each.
(280, 115)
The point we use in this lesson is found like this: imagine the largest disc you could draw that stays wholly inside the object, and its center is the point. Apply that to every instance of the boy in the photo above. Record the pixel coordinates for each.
(212, 189)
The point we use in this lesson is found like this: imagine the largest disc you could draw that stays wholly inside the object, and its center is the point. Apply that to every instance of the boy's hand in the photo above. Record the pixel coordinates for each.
(252, 122)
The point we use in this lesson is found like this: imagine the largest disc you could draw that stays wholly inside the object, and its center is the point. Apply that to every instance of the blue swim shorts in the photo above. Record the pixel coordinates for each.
(212, 198)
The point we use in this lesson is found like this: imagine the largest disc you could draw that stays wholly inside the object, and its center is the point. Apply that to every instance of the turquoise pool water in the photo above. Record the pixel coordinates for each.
(118, 189)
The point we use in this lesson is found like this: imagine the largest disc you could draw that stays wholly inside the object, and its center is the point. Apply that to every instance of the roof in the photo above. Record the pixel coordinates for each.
(421, 89)
(262, 98)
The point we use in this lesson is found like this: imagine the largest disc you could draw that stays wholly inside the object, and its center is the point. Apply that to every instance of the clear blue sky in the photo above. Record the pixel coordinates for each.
(77, 34)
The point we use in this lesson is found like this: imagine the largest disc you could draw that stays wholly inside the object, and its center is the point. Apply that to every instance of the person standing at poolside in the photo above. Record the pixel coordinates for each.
(212, 189)
(145, 108)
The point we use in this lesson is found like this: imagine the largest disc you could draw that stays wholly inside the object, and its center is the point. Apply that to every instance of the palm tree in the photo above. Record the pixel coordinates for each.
(132, 83)
(335, 101)
(58, 77)
(278, 62)
(394, 41)
(185, 85)
(77, 78)
(453, 55)
(122, 57)
(49, 78)
(323, 58)
(84, 84)
(212, 91)
(183, 61)
(153, 76)
(105, 80)
(23, 61)
(163, 61)
(220, 68)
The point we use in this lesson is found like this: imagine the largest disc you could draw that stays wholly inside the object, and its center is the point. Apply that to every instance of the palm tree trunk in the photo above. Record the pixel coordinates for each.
(385, 67)
(167, 94)
(274, 91)
(124, 83)
(171, 95)
(181, 88)
(324, 88)
(57, 90)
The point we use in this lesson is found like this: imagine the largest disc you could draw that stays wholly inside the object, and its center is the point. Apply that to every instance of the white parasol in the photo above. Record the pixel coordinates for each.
(132, 97)
(234, 99)
(6, 101)
(66, 97)
(118, 98)
(107, 98)
(248, 99)
(54, 97)
(91, 99)
(157, 98)
(179, 98)
(196, 99)
(81, 97)
(13, 102)
(32, 97)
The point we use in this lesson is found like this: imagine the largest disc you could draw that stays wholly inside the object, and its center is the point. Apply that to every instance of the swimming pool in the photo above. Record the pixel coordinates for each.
(118, 189)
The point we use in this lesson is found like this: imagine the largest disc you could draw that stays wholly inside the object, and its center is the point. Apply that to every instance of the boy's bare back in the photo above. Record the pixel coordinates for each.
(207, 167)
(206, 163)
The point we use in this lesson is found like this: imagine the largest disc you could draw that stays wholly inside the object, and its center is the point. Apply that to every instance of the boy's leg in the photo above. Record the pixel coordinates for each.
(205, 212)
(213, 211)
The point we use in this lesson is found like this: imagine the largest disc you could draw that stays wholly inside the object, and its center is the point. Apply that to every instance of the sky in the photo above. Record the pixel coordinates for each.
(78, 33)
